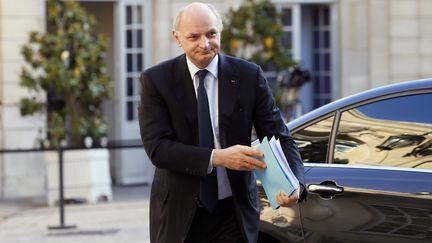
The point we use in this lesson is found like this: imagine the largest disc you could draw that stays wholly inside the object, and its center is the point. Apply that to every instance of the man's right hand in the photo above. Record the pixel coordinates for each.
(238, 157)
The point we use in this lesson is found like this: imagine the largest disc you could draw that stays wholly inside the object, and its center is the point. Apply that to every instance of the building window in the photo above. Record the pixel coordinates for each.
(134, 47)
(286, 22)
(308, 33)
(321, 56)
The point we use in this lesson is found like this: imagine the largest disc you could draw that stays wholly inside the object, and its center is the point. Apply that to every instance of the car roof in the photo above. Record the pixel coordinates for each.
(368, 95)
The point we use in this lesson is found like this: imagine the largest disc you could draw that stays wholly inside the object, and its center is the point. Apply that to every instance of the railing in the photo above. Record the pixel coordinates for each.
(115, 144)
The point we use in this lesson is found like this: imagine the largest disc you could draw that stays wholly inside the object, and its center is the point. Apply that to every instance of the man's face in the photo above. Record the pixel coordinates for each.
(199, 36)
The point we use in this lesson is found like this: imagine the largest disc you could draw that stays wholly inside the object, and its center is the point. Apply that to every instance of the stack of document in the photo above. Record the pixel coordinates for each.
(278, 176)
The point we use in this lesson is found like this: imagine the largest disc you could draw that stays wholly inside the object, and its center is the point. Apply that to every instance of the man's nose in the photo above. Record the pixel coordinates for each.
(204, 42)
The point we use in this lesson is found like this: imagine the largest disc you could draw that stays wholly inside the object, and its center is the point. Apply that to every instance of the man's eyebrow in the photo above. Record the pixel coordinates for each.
(191, 34)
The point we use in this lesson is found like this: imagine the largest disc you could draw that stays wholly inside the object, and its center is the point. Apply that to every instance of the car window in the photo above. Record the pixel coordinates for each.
(392, 132)
(313, 141)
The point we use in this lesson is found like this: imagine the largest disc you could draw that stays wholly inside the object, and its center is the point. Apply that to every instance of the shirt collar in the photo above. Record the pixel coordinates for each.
(212, 67)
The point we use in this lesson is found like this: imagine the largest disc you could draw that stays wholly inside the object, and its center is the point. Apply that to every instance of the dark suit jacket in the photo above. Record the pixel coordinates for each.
(169, 131)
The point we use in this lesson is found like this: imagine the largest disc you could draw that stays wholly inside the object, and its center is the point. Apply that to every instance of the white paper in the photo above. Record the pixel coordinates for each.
(278, 152)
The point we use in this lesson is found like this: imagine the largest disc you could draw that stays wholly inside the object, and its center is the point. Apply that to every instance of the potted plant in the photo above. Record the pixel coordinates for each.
(253, 32)
(67, 80)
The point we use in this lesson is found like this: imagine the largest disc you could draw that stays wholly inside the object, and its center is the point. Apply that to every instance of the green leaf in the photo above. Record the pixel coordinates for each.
(29, 106)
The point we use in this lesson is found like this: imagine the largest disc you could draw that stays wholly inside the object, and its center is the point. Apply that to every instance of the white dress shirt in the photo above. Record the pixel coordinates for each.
(211, 86)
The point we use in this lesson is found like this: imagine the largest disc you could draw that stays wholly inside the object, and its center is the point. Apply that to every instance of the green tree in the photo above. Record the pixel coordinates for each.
(252, 32)
(67, 62)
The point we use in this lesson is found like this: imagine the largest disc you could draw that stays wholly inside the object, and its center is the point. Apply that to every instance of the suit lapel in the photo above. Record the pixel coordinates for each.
(185, 93)
(228, 85)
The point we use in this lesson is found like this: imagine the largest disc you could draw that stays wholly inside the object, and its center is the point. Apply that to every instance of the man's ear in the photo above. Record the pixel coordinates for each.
(175, 35)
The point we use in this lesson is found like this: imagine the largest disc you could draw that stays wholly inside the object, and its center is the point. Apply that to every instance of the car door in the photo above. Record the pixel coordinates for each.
(377, 185)
(284, 224)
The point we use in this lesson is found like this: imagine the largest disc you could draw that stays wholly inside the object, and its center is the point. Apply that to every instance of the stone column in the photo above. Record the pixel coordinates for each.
(425, 12)
(21, 175)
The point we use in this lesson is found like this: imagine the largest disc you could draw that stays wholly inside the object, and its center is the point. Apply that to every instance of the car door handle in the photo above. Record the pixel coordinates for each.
(326, 189)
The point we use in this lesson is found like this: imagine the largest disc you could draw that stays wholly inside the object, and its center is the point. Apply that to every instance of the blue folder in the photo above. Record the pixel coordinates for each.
(274, 178)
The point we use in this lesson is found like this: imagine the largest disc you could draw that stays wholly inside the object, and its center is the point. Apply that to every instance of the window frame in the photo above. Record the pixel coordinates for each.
(332, 144)
(337, 113)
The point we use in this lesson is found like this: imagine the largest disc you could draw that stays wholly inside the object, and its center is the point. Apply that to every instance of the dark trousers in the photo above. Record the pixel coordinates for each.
(220, 226)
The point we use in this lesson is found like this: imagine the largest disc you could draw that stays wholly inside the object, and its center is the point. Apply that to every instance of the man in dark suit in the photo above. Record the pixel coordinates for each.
(196, 116)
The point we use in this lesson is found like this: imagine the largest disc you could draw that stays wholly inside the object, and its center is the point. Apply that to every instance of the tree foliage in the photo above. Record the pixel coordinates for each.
(68, 63)
(252, 32)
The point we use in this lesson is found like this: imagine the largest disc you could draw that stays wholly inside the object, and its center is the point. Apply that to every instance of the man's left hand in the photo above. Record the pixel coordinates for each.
(283, 200)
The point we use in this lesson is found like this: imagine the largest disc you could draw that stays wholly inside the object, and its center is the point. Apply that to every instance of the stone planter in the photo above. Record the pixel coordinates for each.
(86, 176)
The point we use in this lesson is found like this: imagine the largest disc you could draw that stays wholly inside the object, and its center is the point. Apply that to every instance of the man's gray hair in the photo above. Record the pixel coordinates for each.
(177, 20)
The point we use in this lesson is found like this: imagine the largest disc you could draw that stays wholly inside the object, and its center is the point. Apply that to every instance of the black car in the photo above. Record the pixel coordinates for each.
(368, 167)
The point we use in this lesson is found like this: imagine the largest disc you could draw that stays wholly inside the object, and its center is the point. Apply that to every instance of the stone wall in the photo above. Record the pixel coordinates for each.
(384, 41)
(21, 175)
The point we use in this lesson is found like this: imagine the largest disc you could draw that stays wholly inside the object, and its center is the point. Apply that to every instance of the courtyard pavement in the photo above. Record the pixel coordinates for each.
(125, 220)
